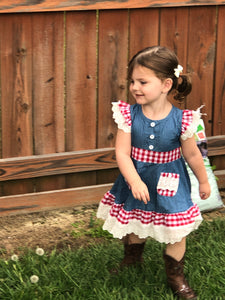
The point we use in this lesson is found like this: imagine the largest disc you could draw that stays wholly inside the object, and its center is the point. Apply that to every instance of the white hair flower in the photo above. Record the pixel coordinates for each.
(178, 70)
(40, 251)
(34, 278)
(15, 257)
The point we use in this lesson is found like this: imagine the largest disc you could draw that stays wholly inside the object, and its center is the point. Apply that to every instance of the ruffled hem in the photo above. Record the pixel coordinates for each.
(122, 116)
(165, 228)
(191, 128)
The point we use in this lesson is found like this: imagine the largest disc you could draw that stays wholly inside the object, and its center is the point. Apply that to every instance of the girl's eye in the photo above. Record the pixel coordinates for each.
(142, 82)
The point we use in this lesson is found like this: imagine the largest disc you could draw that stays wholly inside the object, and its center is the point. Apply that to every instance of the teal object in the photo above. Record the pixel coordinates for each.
(214, 201)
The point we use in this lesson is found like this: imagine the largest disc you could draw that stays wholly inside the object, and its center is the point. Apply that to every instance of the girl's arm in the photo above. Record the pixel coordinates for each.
(194, 159)
(126, 166)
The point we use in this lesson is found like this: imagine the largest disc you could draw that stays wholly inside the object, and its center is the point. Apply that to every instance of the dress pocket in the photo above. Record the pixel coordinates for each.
(168, 184)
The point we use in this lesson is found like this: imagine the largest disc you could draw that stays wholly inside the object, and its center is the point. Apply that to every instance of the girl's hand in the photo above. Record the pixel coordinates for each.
(204, 190)
(140, 191)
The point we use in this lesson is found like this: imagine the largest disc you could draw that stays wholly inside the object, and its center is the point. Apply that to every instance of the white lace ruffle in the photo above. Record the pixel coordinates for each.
(192, 128)
(119, 118)
(103, 211)
(160, 233)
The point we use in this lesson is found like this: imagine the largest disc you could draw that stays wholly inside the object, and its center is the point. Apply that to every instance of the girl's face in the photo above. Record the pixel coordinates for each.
(145, 87)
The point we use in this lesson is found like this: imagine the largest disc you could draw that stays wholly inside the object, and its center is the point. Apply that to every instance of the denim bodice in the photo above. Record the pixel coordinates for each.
(155, 135)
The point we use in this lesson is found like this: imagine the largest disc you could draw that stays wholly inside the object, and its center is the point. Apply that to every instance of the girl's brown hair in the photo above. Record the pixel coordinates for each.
(162, 61)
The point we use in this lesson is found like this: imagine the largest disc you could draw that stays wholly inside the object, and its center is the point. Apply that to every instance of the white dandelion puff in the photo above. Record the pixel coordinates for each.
(15, 257)
(40, 251)
(34, 278)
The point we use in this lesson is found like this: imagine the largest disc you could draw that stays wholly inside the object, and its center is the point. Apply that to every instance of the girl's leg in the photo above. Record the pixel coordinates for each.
(174, 263)
(176, 250)
(133, 239)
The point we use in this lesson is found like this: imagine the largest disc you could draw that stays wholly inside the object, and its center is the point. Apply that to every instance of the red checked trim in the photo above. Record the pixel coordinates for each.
(169, 220)
(155, 157)
(125, 111)
(187, 120)
(150, 217)
(108, 199)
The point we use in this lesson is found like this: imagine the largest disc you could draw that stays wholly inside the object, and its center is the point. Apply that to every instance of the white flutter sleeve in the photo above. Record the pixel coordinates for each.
(121, 115)
(190, 122)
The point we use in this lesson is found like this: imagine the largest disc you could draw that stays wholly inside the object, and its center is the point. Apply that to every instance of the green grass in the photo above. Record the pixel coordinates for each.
(83, 274)
(93, 229)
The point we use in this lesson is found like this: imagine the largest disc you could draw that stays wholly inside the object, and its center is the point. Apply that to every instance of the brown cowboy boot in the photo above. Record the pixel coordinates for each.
(132, 256)
(176, 278)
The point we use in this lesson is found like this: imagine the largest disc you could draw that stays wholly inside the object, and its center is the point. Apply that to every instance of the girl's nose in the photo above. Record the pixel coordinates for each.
(134, 86)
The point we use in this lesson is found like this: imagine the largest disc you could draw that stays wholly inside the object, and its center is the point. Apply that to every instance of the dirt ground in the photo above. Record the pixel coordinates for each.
(53, 229)
(48, 230)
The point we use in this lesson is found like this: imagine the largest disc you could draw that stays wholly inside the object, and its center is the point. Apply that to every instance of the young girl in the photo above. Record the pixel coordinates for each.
(151, 196)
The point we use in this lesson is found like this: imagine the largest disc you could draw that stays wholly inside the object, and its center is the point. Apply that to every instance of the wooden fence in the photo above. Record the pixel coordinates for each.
(61, 70)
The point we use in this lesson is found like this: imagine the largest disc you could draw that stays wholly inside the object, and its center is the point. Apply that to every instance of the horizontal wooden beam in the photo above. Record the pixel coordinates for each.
(36, 202)
(76, 161)
(65, 198)
(69, 162)
(216, 145)
(12, 6)
(57, 163)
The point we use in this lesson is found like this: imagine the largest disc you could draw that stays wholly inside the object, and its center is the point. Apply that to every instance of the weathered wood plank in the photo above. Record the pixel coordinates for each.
(65, 198)
(48, 89)
(143, 32)
(16, 87)
(201, 60)
(81, 179)
(48, 82)
(81, 70)
(113, 45)
(7, 6)
(54, 164)
(80, 88)
(174, 35)
(107, 175)
(16, 92)
(219, 96)
(144, 29)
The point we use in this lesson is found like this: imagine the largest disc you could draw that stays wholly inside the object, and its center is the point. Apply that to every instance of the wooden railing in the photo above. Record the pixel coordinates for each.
(73, 162)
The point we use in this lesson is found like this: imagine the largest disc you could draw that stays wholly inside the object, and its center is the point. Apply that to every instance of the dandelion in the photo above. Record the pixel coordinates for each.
(15, 257)
(40, 251)
(34, 278)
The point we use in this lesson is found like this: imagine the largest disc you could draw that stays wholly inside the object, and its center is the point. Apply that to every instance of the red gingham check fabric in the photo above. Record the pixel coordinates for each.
(148, 217)
(108, 199)
(166, 192)
(155, 157)
(186, 120)
(125, 111)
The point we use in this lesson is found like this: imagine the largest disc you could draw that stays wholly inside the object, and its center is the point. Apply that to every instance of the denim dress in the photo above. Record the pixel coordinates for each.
(170, 214)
